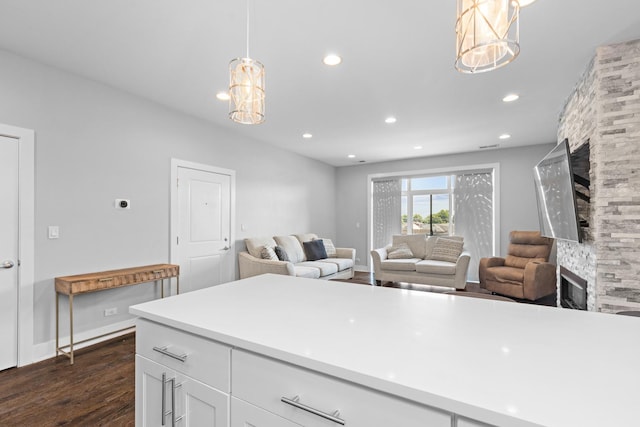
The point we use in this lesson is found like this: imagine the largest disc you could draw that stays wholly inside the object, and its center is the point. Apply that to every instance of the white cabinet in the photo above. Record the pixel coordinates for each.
(311, 399)
(151, 399)
(181, 379)
(165, 397)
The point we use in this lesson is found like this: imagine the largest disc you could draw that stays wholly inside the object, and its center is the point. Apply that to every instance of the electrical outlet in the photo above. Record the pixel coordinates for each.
(110, 311)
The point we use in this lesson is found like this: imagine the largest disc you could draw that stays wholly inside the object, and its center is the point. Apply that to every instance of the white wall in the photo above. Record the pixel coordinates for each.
(95, 144)
(517, 196)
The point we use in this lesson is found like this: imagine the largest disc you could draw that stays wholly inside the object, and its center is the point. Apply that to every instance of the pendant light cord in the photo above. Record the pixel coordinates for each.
(248, 29)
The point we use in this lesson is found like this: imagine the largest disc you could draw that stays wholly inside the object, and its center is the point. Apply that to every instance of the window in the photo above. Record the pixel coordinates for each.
(427, 202)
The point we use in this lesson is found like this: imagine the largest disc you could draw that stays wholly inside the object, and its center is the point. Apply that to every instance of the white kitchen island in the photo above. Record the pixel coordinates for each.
(265, 351)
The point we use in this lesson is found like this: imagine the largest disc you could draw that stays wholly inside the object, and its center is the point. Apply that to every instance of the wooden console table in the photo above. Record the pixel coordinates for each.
(94, 282)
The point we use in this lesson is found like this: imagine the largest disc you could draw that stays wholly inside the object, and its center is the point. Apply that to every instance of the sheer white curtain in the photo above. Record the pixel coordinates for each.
(386, 210)
(473, 216)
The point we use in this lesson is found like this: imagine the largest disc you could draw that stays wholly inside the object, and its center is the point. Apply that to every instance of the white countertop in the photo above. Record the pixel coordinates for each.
(498, 362)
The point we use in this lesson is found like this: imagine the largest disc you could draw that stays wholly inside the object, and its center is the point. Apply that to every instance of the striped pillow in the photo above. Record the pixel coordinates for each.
(329, 247)
(267, 252)
(446, 250)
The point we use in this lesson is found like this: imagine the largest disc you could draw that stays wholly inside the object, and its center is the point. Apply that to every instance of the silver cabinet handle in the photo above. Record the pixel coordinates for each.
(226, 248)
(7, 264)
(164, 396)
(295, 402)
(181, 417)
(164, 399)
(173, 402)
(163, 350)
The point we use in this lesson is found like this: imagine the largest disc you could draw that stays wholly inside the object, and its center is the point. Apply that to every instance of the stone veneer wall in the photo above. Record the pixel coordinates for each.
(604, 108)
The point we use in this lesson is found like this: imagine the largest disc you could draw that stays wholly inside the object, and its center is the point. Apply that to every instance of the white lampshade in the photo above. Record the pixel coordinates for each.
(246, 88)
(487, 34)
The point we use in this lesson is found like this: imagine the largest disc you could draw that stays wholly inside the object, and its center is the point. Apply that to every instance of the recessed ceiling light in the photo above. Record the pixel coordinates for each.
(351, 156)
(418, 147)
(307, 135)
(511, 97)
(223, 96)
(505, 136)
(332, 60)
(390, 120)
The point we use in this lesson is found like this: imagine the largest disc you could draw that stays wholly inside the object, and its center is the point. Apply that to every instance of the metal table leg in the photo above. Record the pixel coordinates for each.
(71, 327)
(57, 324)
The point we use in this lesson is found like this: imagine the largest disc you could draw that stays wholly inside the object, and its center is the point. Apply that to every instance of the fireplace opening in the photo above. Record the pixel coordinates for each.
(573, 290)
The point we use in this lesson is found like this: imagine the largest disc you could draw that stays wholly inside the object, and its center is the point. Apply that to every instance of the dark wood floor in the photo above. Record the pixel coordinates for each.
(367, 278)
(97, 390)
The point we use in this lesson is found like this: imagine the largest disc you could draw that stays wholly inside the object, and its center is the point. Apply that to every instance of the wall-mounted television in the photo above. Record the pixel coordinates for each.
(555, 191)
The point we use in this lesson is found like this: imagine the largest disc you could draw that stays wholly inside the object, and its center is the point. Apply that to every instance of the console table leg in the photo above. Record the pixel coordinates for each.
(71, 327)
(57, 325)
(161, 287)
(177, 285)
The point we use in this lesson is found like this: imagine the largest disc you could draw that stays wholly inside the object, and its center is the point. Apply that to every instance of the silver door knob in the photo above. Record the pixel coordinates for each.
(7, 264)
(226, 248)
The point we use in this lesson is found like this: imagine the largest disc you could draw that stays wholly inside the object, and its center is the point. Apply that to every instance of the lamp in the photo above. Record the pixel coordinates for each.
(487, 34)
(246, 88)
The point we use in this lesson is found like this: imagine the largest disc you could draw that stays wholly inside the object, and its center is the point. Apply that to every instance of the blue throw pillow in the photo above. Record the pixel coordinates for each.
(314, 250)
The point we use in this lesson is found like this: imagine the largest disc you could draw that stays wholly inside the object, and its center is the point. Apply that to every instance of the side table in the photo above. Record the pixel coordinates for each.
(95, 282)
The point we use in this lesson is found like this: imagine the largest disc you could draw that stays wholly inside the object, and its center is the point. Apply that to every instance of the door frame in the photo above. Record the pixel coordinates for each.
(25, 139)
(173, 221)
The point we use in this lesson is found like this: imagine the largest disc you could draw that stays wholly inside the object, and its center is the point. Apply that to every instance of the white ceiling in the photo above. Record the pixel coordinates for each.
(398, 60)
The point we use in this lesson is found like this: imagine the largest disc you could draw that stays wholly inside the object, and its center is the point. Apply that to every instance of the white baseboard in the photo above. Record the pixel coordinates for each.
(47, 350)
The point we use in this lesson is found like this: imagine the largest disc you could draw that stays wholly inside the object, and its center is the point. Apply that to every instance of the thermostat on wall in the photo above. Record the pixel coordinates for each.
(123, 204)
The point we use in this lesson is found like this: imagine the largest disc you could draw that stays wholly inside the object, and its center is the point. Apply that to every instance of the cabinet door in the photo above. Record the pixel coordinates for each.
(149, 393)
(244, 414)
(200, 405)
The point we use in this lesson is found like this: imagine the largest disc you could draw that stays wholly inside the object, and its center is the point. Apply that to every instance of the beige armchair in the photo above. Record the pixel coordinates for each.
(525, 273)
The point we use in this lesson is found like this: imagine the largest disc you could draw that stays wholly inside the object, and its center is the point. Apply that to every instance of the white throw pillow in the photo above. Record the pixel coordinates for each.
(329, 247)
(401, 251)
(446, 250)
(267, 252)
(292, 247)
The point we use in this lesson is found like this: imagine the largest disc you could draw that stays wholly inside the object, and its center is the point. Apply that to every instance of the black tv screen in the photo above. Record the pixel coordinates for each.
(555, 192)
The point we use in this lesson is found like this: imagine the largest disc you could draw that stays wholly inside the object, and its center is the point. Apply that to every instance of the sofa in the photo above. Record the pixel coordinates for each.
(418, 258)
(292, 259)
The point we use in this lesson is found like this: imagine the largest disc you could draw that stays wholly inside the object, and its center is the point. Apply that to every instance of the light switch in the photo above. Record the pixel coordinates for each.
(54, 232)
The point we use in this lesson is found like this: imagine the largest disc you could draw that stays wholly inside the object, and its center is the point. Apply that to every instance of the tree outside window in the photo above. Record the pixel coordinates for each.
(428, 201)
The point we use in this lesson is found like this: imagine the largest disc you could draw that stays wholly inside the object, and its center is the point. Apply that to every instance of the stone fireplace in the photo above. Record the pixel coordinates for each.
(604, 112)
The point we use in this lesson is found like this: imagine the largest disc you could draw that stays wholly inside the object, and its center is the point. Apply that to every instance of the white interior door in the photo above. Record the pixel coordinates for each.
(204, 228)
(9, 253)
